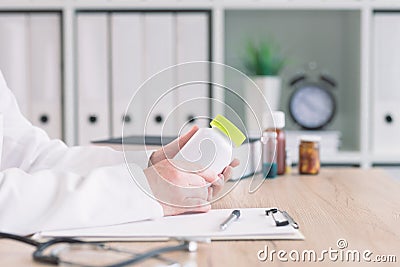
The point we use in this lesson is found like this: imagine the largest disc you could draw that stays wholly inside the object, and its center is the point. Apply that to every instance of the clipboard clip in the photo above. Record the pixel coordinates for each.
(281, 218)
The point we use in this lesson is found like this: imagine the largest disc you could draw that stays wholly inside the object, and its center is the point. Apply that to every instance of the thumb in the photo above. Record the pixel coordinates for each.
(173, 148)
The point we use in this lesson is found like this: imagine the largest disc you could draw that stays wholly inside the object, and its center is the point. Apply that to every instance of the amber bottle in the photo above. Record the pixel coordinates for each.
(309, 161)
(277, 126)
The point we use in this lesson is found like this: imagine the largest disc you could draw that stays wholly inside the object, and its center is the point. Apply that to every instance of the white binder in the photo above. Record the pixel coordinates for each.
(93, 77)
(192, 45)
(127, 72)
(14, 56)
(45, 72)
(386, 80)
(159, 37)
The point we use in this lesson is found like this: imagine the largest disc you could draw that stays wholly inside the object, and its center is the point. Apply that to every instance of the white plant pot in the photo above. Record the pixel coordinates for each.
(270, 91)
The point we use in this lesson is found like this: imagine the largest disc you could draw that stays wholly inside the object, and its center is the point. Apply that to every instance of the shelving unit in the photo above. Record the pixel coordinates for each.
(329, 38)
(352, 25)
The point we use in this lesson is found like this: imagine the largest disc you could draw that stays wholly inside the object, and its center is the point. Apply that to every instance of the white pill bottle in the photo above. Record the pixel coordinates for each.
(211, 148)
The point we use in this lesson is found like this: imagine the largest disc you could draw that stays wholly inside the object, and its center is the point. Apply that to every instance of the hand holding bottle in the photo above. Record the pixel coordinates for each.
(170, 184)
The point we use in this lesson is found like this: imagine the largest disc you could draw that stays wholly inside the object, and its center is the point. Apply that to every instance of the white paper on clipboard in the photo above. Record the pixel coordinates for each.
(253, 224)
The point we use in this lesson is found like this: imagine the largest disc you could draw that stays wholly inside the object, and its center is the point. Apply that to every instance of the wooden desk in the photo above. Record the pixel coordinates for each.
(361, 206)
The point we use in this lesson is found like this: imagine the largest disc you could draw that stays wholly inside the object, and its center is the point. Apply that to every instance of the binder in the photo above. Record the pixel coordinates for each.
(386, 79)
(93, 77)
(127, 72)
(192, 40)
(45, 72)
(159, 53)
(14, 56)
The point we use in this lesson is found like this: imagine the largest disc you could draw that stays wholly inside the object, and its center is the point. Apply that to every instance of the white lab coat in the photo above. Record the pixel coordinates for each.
(46, 185)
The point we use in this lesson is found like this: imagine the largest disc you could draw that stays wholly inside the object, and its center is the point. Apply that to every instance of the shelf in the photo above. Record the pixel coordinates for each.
(179, 4)
(385, 4)
(31, 5)
(224, 4)
(389, 158)
(342, 157)
(303, 37)
(293, 4)
(335, 33)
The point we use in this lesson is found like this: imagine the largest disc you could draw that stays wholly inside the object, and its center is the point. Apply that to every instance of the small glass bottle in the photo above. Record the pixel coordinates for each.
(276, 123)
(309, 161)
(269, 149)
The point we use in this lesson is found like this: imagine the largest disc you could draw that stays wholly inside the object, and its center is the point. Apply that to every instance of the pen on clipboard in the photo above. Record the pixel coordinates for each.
(232, 217)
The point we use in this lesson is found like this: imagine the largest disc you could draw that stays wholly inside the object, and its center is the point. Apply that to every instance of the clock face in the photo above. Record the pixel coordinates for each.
(312, 107)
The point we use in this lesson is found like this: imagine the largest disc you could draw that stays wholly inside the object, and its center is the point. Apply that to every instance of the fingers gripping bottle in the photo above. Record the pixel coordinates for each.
(211, 148)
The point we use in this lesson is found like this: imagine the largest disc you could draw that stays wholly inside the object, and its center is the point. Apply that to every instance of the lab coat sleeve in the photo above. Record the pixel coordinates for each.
(46, 185)
(48, 200)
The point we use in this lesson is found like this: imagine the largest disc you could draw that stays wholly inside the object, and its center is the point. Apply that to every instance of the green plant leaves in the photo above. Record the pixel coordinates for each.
(263, 59)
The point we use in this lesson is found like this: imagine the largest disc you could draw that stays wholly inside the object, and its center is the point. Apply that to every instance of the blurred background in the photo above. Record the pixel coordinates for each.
(74, 65)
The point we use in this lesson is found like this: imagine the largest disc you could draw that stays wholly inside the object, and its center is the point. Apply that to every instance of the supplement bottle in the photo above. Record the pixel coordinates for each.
(309, 162)
(211, 148)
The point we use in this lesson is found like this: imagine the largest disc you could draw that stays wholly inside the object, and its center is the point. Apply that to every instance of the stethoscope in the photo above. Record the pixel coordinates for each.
(53, 258)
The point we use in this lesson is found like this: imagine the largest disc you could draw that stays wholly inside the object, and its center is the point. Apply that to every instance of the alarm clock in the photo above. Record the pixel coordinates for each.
(312, 105)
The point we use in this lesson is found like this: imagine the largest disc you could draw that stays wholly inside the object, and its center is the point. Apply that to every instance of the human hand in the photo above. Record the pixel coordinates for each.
(180, 191)
(224, 176)
(172, 149)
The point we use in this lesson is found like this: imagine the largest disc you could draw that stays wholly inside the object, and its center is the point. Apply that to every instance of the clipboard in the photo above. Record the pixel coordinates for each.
(253, 224)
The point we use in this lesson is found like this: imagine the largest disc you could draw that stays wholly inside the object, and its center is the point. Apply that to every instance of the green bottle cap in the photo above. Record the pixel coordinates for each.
(229, 129)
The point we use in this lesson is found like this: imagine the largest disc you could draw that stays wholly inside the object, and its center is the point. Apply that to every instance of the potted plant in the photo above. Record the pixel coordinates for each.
(263, 62)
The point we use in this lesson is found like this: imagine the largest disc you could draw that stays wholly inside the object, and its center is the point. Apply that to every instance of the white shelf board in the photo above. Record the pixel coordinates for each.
(387, 158)
(293, 4)
(103, 4)
(126, 4)
(192, 4)
(31, 5)
(386, 4)
(342, 157)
